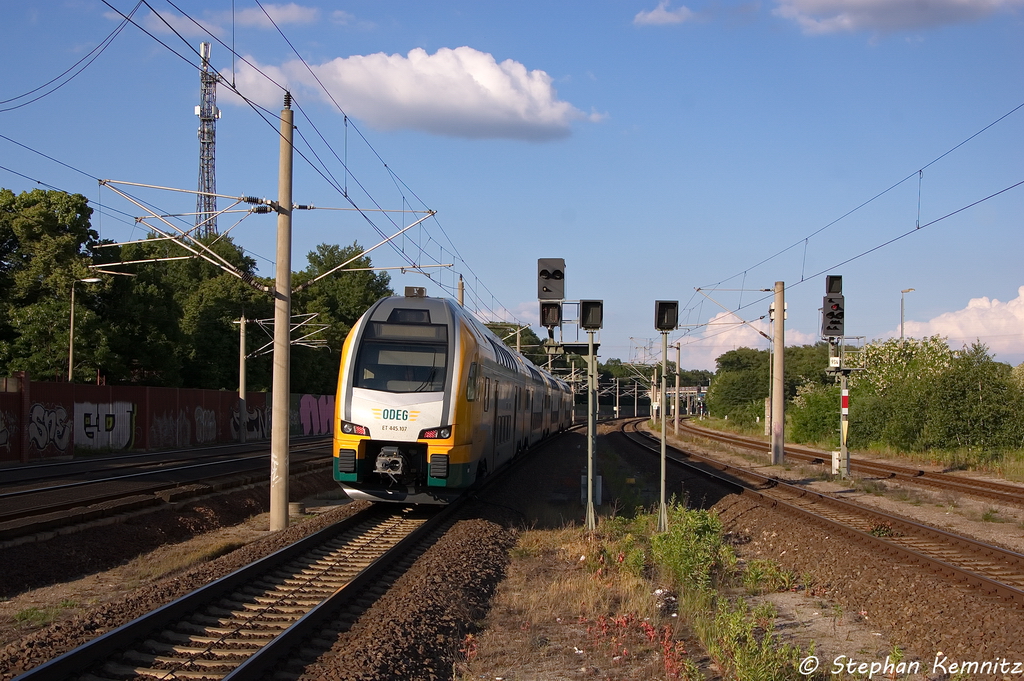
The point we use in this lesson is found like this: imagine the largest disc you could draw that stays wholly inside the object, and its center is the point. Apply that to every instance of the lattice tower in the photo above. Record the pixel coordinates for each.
(206, 202)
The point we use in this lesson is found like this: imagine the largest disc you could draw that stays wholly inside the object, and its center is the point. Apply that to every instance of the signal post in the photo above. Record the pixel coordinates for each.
(666, 318)
(551, 294)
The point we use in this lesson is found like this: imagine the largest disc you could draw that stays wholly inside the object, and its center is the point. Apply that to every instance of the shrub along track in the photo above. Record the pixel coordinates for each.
(923, 607)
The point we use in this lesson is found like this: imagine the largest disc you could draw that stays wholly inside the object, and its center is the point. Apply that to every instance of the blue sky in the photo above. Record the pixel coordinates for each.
(658, 147)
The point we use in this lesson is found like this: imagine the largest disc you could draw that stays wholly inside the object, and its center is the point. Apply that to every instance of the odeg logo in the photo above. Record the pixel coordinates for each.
(396, 414)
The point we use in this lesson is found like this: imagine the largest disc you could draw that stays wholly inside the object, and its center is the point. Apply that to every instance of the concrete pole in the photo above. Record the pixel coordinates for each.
(462, 292)
(778, 377)
(71, 337)
(663, 508)
(679, 358)
(636, 397)
(279, 454)
(243, 415)
(591, 434)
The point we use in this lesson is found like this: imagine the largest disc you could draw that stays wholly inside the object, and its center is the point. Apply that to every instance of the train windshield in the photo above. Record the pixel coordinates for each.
(403, 358)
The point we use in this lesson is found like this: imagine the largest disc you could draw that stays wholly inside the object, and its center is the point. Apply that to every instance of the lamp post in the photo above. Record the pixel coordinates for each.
(71, 337)
(903, 293)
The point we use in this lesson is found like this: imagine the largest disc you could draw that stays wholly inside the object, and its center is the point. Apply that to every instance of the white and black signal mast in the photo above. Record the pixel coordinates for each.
(206, 201)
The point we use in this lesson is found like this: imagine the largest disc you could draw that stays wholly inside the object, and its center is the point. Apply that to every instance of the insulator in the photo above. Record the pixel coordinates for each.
(251, 199)
(287, 100)
(300, 206)
(261, 209)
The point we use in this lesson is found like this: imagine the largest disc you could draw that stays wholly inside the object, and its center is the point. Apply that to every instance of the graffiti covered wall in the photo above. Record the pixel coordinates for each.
(105, 426)
(41, 420)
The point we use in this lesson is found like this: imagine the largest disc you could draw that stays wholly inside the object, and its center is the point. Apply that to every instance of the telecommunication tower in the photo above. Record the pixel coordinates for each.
(206, 202)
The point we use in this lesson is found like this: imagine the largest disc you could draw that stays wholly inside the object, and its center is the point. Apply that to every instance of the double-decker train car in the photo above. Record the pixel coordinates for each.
(429, 401)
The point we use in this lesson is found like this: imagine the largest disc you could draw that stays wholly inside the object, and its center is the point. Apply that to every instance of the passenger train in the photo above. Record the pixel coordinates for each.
(429, 401)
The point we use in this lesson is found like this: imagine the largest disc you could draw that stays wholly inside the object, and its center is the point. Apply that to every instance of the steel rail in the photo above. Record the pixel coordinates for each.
(253, 661)
(1004, 565)
(263, 655)
(162, 458)
(988, 489)
(102, 497)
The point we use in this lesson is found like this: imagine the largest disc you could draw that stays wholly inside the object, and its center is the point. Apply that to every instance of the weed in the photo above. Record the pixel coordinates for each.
(36, 617)
(837, 617)
(884, 530)
(992, 516)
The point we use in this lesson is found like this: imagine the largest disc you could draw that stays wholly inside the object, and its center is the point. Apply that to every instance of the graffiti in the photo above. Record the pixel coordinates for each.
(257, 423)
(48, 427)
(7, 421)
(316, 414)
(174, 430)
(105, 426)
(206, 425)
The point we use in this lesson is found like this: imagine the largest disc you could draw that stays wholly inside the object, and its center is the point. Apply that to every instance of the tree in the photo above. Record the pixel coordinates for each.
(45, 246)
(972, 405)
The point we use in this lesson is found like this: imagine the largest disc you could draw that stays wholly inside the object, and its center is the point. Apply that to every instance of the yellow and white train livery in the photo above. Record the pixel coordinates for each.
(429, 400)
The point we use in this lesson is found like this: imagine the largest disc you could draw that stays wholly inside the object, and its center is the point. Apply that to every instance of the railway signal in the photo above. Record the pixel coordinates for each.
(591, 314)
(551, 278)
(666, 318)
(550, 314)
(833, 309)
(666, 315)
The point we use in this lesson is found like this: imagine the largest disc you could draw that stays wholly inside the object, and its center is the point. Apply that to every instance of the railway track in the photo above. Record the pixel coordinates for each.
(265, 619)
(48, 503)
(243, 625)
(987, 489)
(991, 568)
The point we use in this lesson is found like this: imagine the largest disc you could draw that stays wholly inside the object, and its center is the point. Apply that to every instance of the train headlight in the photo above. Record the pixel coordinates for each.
(440, 433)
(353, 429)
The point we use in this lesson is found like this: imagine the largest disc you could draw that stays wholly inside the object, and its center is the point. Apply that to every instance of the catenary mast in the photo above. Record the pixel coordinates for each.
(206, 202)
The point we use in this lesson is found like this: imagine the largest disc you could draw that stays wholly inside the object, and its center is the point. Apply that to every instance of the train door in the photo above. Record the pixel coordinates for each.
(516, 436)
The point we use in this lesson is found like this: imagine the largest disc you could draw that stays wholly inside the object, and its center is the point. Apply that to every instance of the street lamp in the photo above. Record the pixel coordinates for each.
(902, 294)
(71, 338)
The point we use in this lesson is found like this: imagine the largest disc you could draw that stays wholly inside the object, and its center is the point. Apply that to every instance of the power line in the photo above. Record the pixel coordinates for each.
(91, 56)
(877, 196)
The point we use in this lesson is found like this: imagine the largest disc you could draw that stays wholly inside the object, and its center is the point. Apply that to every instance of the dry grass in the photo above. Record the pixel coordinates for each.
(567, 609)
(146, 568)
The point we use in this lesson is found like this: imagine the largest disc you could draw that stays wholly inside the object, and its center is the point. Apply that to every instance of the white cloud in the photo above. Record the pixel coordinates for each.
(724, 332)
(998, 325)
(459, 92)
(340, 16)
(281, 14)
(663, 15)
(834, 16)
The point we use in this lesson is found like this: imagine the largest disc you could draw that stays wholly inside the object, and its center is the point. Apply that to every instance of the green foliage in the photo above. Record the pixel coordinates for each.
(920, 395)
(814, 414)
(694, 557)
(45, 246)
(741, 382)
(692, 551)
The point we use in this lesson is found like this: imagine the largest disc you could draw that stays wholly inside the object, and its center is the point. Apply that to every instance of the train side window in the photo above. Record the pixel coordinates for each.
(471, 385)
(487, 393)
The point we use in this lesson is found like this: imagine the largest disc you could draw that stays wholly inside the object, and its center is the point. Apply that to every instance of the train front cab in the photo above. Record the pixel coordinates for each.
(381, 424)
